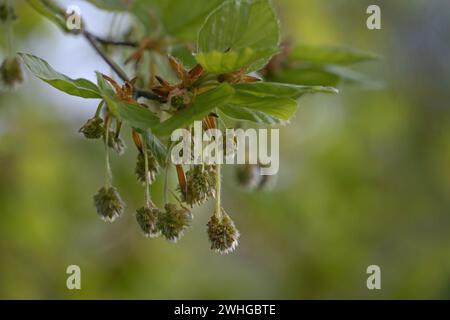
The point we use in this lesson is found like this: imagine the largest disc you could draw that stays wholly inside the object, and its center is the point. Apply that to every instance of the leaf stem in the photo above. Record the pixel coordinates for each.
(218, 212)
(166, 177)
(99, 108)
(10, 31)
(108, 173)
(147, 176)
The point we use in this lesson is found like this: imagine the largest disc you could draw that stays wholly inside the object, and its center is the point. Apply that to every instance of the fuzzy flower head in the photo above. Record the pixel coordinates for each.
(147, 218)
(10, 71)
(109, 204)
(173, 221)
(200, 185)
(222, 233)
(93, 128)
(153, 167)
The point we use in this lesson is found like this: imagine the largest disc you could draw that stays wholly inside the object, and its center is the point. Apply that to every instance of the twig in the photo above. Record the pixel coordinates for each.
(92, 41)
(137, 91)
(116, 43)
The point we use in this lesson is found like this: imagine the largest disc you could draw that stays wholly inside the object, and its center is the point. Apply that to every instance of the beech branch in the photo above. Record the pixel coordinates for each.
(94, 42)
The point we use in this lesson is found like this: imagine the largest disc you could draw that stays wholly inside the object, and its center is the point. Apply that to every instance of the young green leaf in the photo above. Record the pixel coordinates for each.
(203, 104)
(78, 87)
(273, 89)
(184, 55)
(266, 102)
(329, 55)
(183, 18)
(157, 148)
(227, 62)
(279, 107)
(318, 75)
(135, 115)
(112, 5)
(179, 18)
(243, 27)
(247, 114)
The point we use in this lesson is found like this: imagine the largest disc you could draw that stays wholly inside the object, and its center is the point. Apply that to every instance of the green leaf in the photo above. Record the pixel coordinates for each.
(146, 11)
(78, 87)
(203, 104)
(329, 55)
(316, 75)
(267, 102)
(272, 89)
(227, 62)
(238, 28)
(184, 55)
(112, 5)
(157, 148)
(179, 18)
(246, 114)
(183, 18)
(135, 115)
(279, 107)
(50, 11)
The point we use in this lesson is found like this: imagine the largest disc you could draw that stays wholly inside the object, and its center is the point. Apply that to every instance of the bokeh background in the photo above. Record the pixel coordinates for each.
(364, 177)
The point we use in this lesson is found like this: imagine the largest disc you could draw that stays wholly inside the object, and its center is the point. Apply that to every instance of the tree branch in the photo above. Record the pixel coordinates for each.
(92, 41)
(115, 43)
(138, 92)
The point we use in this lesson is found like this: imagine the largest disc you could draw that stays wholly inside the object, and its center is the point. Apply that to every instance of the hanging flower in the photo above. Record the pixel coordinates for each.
(173, 221)
(147, 218)
(11, 73)
(93, 128)
(222, 233)
(200, 185)
(109, 204)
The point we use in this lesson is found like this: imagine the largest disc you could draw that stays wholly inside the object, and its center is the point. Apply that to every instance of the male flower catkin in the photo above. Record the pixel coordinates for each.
(147, 218)
(173, 221)
(11, 74)
(93, 128)
(222, 233)
(109, 204)
(153, 167)
(200, 185)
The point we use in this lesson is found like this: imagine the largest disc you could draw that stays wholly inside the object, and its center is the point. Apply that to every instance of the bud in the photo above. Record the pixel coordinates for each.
(173, 221)
(116, 143)
(222, 233)
(153, 167)
(93, 128)
(109, 204)
(180, 98)
(11, 74)
(177, 102)
(200, 185)
(248, 175)
(147, 218)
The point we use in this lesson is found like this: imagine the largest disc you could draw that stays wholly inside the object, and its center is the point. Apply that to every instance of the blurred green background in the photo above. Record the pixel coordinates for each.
(364, 177)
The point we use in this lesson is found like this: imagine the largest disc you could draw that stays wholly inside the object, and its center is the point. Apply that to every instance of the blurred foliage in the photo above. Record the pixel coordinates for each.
(364, 179)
